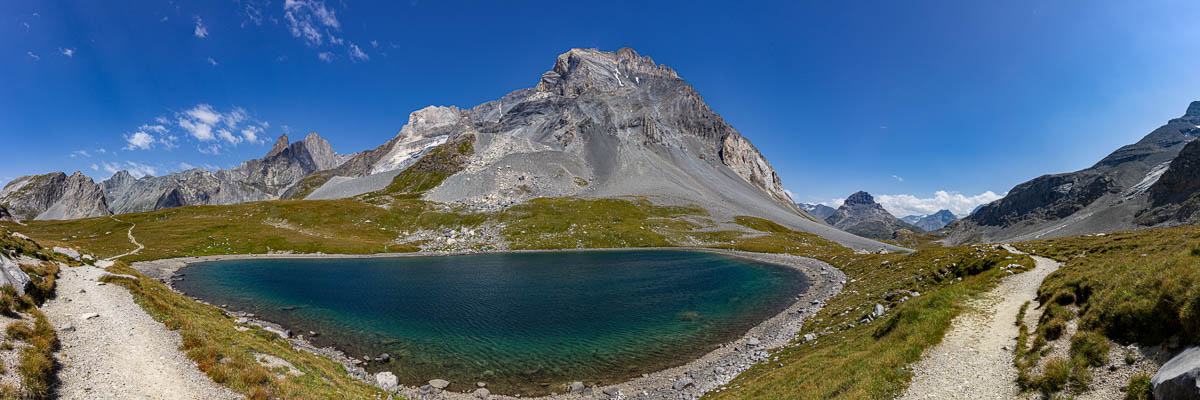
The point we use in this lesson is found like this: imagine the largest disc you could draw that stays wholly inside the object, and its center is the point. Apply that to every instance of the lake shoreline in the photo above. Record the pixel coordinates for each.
(691, 379)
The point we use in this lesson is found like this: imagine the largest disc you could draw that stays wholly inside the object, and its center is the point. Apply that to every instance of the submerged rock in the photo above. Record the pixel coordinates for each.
(439, 383)
(575, 387)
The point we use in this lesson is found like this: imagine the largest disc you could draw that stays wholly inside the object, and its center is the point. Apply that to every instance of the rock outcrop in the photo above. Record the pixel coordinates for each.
(1178, 378)
(862, 216)
(1175, 197)
(12, 275)
(1111, 195)
(54, 196)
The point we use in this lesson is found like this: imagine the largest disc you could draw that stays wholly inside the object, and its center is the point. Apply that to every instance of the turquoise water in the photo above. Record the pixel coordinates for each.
(524, 323)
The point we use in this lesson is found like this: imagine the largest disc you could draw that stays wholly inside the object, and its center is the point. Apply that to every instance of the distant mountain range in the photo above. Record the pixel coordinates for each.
(1149, 183)
(862, 216)
(931, 222)
(598, 124)
(820, 211)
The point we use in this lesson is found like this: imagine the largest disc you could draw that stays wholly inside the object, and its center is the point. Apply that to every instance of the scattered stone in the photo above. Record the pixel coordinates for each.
(682, 383)
(88, 316)
(612, 392)
(575, 387)
(67, 328)
(810, 337)
(482, 393)
(481, 384)
(387, 381)
(385, 357)
(1177, 379)
(878, 311)
(753, 341)
(112, 275)
(439, 383)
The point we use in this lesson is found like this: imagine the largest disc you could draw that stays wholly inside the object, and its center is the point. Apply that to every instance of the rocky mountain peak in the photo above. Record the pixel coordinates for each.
(281, 144)
(860, 197)
(580, 70)
(1193, 110)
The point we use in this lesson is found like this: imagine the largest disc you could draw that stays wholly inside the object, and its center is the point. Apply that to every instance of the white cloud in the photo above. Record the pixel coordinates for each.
(897, 178)
(80, 153)
(201, 31)
(212, 61)
(139, 170)
(305, 16)
(325, 56)
(375, 44)
(902, 205)
(101, 150)
(183, 166)
(250, 134)
(139, 140)
(357, 53)
(95, 167)
(111, 168)
(33, 56)
(791, 196)
(205, 123)
(228, 137)
(69, 52)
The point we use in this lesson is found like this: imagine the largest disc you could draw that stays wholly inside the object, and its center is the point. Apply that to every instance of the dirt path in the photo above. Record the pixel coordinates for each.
(131, 240)
(111, 349)
(975, 358)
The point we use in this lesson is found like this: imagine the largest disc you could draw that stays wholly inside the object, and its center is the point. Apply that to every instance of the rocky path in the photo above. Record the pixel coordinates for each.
(975, 358)
(111, 349)
(131, 240)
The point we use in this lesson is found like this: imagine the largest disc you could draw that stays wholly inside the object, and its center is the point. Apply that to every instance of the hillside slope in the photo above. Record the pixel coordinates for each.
(1105, 197)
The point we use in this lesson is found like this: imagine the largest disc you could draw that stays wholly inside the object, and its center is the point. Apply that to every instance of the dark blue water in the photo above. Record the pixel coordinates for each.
(524, 323)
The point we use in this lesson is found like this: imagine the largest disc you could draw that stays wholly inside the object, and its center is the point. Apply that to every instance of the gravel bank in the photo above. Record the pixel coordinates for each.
(975, 358)
(688, 381)
(112, 349)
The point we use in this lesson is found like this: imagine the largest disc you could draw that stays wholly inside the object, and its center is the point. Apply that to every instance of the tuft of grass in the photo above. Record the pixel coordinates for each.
(1090, 348)
(1139, 388)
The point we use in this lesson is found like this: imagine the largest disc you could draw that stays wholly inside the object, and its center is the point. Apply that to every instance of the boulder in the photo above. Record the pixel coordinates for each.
(439, 383)
(612, 391)
(753, 341)
(682, 383)
(12, 275)
(482, 393)
(1177, 379)
(387, 381)
(66, 251)
(575, 387)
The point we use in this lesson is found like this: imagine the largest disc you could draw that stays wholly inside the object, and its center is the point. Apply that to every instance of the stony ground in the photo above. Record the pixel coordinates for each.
(975, 358)
(111, 349)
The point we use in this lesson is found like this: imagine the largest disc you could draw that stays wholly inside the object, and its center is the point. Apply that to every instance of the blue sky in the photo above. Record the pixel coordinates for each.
(902, 99)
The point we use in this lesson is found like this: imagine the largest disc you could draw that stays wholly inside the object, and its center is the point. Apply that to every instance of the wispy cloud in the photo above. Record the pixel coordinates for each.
(69, 52)
(206, 124)
(212, 61)
(80, 153)
(357, 54)
(325, 56)
(33, 56)
(902, 205)
(95, 167)
(306, 17)
(138, 170)
(897, 178)
(201, 31)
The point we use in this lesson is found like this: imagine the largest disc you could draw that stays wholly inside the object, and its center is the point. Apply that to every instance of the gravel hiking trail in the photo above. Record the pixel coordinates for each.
(112, 349)
(131, 240)
(975, 358)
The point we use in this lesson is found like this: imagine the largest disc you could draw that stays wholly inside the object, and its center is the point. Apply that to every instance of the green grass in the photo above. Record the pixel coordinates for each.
(227, 355)
(563, 223)
(1139, 388)
(1130, 287)
(856, 360)
(36, 361)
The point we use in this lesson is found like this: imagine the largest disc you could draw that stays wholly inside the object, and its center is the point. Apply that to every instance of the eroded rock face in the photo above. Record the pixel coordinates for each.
(1181, 180)
(1177, 379)
(862, 216)
(54, 196)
